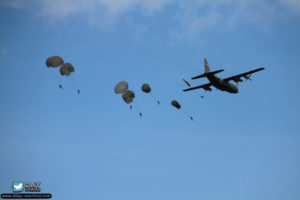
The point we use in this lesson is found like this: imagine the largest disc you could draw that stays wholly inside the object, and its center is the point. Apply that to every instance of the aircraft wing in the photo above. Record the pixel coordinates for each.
(205, 87)
(237, 78)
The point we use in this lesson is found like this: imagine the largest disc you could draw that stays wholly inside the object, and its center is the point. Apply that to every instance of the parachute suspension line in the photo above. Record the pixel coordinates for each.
(59, 82)
(55, 61)
(158, 102)
(75, 84)
(136, 109)
(190, 116)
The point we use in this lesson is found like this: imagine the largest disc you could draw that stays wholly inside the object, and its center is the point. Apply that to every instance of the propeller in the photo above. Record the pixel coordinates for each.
(248, 77)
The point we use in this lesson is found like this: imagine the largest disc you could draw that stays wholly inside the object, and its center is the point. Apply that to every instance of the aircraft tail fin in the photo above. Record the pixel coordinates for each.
(207, 68)
(207, 71)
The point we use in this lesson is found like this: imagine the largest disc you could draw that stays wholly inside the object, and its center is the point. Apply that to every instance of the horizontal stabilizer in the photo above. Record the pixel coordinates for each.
(207, 74)
(205, 87)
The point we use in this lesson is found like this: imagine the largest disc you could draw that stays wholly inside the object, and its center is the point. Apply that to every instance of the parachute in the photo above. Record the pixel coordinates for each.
(178, 106)
(147, 89)
(127, 95)
(54, 61)
(65, 70)
(121, 87)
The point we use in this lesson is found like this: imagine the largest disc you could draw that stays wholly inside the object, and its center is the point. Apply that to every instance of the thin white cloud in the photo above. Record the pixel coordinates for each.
(294, 5)
(65, 8)
(16, 4)
(156, 5)
(204, 15)
(188, 17)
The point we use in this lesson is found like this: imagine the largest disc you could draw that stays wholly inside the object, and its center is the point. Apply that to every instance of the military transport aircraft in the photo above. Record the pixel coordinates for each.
(221, 84)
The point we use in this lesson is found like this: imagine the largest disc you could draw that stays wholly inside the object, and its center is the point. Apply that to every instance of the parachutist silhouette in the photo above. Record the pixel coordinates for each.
(178, 106)
(147, 89)
(65, 69)
(53, 62)
(127, 96)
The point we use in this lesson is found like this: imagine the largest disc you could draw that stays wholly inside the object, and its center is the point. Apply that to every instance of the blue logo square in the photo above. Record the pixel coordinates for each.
(18, 186)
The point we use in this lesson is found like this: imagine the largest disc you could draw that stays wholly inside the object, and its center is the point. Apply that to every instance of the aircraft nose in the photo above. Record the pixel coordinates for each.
(236, 90)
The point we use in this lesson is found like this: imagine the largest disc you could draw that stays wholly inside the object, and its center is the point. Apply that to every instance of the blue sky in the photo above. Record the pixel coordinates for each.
(91, 146)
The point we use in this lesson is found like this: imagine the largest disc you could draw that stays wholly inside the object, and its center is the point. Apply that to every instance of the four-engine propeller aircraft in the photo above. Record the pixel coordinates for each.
(221, 84)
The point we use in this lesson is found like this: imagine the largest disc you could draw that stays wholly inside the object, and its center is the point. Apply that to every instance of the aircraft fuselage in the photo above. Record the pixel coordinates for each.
(222, 85)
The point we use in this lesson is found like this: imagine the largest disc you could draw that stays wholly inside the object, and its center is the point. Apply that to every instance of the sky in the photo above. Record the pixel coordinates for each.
(91, 146)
